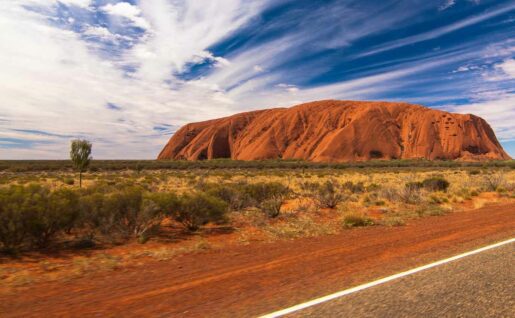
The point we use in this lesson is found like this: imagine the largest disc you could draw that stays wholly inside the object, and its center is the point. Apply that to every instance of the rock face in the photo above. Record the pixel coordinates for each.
(336, 131)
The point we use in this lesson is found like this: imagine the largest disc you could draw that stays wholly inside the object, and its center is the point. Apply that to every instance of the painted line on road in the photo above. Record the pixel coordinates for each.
(381, 281)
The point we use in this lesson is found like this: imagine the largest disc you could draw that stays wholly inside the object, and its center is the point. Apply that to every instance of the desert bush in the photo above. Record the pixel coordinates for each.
(135, 213)
(123, 206)
(54, 212)
(262, 191)
(69, 181)
(94, 216)
(126, 212)
(243, 195)
(13, 217)
(409, 194)
(230, 193)
(356, 220)
(358, 187)
(33, 214)
(167, 202)
(329, 195)
(198, 209)
(271, 207)
(492, 181)
(435, 184)
(414, 185)
(435, 199)
(389, 193)
(308, 187)
(373, 187)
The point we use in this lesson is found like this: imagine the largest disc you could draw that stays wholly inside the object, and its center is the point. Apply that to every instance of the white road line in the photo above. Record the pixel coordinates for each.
(380, 281)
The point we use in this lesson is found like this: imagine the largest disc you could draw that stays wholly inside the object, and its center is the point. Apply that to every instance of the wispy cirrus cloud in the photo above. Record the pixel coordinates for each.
(447, 4)
(438, 32)
(127, 11)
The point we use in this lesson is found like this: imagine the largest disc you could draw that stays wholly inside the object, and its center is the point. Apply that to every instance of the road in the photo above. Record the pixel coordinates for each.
(252, 280)
(480, 285)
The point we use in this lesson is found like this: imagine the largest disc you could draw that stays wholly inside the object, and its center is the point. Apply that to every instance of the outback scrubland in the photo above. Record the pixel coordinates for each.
(130, 213)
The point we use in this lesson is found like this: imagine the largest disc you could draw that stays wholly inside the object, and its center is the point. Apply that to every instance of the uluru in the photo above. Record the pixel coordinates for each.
(338, 131)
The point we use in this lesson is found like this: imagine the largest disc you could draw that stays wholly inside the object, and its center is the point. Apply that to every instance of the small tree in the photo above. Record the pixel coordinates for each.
(80, 154)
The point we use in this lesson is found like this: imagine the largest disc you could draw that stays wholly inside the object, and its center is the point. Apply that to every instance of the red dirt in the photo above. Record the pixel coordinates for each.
(336, 131)
(259, 278)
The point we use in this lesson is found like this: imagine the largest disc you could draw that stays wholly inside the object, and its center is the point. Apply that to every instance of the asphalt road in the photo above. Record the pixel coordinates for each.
(480, 285)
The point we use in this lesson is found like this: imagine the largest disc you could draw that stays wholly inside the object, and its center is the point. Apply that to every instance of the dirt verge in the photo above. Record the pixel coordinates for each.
(258, 278)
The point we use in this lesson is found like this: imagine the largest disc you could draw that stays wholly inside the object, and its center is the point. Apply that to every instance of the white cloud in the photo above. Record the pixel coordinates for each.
(498, 110)
(128, 11)
(258, 68)
(501, 71)
(466, 68)
(51, 81)
(183, 30)
(78, 3)
(507, 67)
(221, 62)
(446, 4)
(102, 33)
(288, 87)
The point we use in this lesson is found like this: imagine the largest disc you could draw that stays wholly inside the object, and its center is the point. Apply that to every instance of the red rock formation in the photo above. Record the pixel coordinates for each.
(335, 131)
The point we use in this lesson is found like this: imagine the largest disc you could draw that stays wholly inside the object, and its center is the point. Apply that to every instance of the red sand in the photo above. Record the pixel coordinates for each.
(245, 281)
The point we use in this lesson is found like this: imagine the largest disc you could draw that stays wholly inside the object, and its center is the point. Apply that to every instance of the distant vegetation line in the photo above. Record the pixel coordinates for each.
(114, 165)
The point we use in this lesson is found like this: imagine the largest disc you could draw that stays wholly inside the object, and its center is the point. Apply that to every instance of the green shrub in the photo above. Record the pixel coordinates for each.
(69, 181)
(243, 195)
(13, 217)
(271, 207)
(328, 195)
(167, 202)
(262, 191)
(56, 211)
(232, 194)
(126, 212)
(34, 214)
(124, 206)
(94, 217)
(435, 184)
(198, 209)
(135, 214)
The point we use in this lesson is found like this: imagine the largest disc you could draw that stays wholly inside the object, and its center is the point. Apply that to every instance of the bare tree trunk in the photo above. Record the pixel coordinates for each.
(80, 179)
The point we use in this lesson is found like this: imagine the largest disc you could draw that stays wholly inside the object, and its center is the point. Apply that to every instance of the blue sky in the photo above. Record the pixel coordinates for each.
(127, 74)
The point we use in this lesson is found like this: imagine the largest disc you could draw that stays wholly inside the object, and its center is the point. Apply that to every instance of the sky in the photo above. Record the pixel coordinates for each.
(127, 74)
